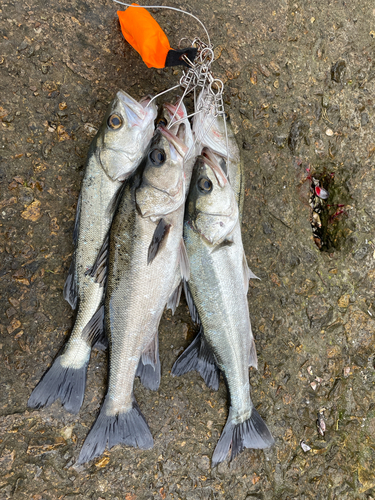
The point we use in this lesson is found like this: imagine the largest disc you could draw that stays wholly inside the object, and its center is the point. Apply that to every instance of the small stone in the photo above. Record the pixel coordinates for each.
(246, 124)
(338, 71)
(343, 301)
(329, 132)
(280, 140)
(90, 129)
(32, 212)
(276, 84)
(364, 119)
(44, 57)
(314, 385)
(305, 446)
(253, 76)
(14, 324)
(265, 72)
(346, 371)
(23, 46)
(14, 302)
(10, 312)
(275, 68)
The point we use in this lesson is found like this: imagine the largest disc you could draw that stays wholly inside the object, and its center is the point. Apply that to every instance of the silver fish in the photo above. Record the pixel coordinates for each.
(146, 254)
(114, 154)
(218, 286)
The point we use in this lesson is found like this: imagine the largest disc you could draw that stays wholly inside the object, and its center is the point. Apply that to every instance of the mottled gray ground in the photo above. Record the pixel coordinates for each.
(293, 109)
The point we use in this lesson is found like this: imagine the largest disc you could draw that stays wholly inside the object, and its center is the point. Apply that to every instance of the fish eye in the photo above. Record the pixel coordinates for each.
(114, 121)
(163, 122)
(204, 185)
(157, 157)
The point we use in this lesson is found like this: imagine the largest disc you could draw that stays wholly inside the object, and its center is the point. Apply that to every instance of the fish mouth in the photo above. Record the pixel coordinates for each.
(132, 104)
(145, 101)
(210, 160)
(177, 110)
(179, 145)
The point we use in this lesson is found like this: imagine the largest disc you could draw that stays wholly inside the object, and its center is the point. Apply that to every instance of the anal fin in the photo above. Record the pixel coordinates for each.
(148, 370)
(199, 357)
(174, 299)
(190, 302)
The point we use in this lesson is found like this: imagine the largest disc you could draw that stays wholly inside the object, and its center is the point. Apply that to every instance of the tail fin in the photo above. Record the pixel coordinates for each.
(128, 428)
(198, 356)
(65, 382)
(253, 433)
(60, 382)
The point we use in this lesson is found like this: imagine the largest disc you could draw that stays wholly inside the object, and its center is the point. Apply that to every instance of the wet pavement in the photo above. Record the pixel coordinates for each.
(299, 89)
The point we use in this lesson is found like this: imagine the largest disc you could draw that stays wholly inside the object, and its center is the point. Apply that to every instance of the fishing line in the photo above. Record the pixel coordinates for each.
(170, 8)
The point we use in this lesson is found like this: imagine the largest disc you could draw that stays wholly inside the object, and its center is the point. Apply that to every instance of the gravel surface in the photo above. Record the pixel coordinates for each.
(299, 90)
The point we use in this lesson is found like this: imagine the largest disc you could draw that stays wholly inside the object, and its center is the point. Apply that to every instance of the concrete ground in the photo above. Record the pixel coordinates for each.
(299, 89)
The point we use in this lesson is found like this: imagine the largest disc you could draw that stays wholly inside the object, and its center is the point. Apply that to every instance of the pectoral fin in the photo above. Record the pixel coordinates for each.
(160, 234)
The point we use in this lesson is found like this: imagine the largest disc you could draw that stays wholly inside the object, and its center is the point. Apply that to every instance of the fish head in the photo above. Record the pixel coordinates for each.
(162, 189)
(212, 207)
(124, 135)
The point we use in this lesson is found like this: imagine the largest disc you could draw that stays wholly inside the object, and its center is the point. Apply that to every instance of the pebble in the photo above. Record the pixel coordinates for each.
(329, 132)
(265, 72)
(364, 119)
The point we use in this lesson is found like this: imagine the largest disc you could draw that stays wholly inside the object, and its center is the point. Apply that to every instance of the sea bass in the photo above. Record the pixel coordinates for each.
(218, 286)
(114, 154)
(147, 259)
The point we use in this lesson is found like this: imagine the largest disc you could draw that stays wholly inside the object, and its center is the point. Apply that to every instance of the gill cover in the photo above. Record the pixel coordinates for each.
(126, 131)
